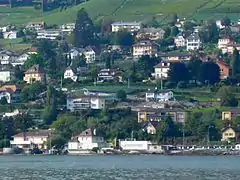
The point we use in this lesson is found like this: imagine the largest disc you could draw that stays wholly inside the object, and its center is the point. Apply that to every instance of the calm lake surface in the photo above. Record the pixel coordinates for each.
(146, 167)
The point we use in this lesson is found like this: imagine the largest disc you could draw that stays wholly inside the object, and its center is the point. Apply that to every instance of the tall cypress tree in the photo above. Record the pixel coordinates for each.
(235, 62)
(84, 30)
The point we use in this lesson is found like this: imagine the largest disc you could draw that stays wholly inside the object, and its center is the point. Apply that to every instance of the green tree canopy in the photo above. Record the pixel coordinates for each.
(178, 72)
(84, 30)
(235, 63)
(226, 96)
(123, 38)
(121, 94)
(34, 59)
(209, 72)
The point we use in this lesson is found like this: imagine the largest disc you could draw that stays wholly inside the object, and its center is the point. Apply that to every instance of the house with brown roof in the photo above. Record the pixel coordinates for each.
(85, 142)
(152, 34)
(11, 93)
(34, 74)
(225, 70)
(231, 133)
(151, 127)
(150, 114)
(32, 139)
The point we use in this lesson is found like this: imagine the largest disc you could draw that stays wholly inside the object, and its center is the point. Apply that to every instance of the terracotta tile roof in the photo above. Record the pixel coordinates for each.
(9, 88)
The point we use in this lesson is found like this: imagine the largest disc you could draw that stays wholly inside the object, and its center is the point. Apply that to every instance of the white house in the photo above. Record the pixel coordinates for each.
(128, 26)
(7, 95)
(30, 140)
(161, 70)
(161, 96)
(6, 75)
(11, 93)
(75, 103)
(133, 145)
(89, 55)
(152, 34)
(70, 73)
(16, 112)
(4, 28)
(49, 34)
(180, 41)
(35, 25)
(68, 27)
(219, 24)
(20, 60)
(85, 142)
(145, 48)
(10, 35)
(109, 75)
(193, 42)
(223, 42)
(74, 53)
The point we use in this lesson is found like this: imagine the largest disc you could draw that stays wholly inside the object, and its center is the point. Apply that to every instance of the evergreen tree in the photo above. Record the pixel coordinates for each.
(84, 30)
(235, 62)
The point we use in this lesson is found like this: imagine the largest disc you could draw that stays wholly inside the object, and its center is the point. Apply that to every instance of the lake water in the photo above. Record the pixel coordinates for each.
(146, 167)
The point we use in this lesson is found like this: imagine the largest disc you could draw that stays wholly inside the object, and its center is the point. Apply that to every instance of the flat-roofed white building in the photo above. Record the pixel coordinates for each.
(128, 26)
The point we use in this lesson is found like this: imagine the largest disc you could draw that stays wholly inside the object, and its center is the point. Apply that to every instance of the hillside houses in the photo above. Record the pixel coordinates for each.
(128, 26)
(143, 48)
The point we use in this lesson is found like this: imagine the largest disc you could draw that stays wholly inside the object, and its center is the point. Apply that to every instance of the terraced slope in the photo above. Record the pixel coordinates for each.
(128, 10)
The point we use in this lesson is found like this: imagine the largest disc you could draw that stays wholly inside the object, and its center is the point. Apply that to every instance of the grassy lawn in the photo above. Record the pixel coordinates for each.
(19, 16)
(14, 44)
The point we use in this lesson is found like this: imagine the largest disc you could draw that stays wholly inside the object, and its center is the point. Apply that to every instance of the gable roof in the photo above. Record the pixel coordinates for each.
(34, 70)
(87, 132)
(236, 129)
(9, 88)
(39, 133)
(155, 124)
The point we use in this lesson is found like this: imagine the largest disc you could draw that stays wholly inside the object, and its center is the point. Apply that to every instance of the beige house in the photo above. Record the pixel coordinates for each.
(34, 139)
(34, 74)
(151, 127)
(223, 42)
(161, 70)
(145, 48)
(226, 115)
(152, 34)
(149, 114)
(230, 133)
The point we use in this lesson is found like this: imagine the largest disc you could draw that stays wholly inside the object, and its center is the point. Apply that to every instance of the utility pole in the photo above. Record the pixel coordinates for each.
(128, 82)
(183, 135)
(61, 83)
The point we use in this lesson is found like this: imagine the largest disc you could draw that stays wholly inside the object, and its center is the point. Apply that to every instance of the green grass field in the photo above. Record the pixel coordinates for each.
(127, 10)
(14, 44)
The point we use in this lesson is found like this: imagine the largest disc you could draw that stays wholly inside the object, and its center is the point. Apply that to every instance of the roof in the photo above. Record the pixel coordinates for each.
(174, 54)
(34, 69)
(39, 133)
(88, 132)
(126, 23)
(236, 129)
(146, 43)
(151, 30)
(223, 63)
(155, 124)
(162, 64)
(9, 88)
(71, 68)
(149, 109)
(193, 37)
